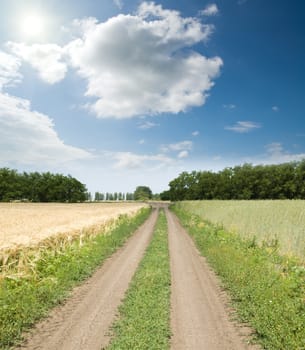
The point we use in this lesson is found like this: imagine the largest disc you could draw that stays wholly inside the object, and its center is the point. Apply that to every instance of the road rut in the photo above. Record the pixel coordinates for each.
(199, 317)
(83, 321)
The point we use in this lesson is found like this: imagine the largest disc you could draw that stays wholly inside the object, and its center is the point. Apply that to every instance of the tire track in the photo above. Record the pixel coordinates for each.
(199, 318)
(83, 321)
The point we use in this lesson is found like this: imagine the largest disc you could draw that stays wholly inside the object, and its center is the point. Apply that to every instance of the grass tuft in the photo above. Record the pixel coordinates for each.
(145, 312)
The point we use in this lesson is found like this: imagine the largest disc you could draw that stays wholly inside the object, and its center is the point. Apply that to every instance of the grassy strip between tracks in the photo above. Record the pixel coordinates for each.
(25, 299)
(267, 290)
(145, 312)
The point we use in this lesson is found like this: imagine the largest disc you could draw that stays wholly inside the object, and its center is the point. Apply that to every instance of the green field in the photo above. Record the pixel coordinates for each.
(274, 222)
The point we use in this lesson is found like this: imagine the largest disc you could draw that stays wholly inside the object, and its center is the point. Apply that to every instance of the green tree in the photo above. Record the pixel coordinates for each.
(142, 193)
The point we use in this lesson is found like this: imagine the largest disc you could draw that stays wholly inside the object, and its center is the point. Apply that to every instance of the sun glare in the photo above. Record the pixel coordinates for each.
(33, 25)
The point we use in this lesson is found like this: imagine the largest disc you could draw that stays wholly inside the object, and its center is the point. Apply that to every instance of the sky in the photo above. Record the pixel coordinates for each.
(122, 93)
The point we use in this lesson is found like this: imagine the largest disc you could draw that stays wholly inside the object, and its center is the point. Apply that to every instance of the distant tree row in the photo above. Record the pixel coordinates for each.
(282, 181)
(141, 193)
(116, 196)
(40, 187)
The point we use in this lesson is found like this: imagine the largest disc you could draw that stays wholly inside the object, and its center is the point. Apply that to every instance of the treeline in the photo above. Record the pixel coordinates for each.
(108, 196)
(282, 181)
(141, 193)
(40, 187)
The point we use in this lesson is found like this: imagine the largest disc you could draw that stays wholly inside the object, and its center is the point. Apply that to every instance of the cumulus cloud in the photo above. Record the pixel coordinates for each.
(195, 133)
(47, 59)
(138, 64)
(210, 10)
(243, 126)
(134, 65)
(28, 137)
(9, 70)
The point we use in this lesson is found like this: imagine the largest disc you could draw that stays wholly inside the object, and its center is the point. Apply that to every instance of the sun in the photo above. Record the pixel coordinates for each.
(33, 25)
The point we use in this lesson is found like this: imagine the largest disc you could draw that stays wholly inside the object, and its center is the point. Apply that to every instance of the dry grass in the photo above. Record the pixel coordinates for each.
(267, 220)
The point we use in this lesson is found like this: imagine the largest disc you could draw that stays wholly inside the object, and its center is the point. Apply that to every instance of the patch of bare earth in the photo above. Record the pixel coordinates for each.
(83, 322)
(199, 312)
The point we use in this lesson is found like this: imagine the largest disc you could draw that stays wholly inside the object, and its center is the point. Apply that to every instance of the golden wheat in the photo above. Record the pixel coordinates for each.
(27, 230)
(29, 223)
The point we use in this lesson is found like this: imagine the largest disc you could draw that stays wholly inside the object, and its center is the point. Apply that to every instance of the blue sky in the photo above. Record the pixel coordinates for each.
(120, 93)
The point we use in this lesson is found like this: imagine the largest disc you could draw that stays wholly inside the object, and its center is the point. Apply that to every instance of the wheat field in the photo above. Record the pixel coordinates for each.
(268, 220)
(26, 224)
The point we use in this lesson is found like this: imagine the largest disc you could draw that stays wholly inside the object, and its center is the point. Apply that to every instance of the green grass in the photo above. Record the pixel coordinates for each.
(24, 300)
(267, 290)
(145, 312)
(281, 221)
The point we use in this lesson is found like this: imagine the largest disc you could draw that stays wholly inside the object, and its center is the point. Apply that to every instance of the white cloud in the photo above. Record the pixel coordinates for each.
(195, 133)
(47, 59)
(129, 160)
(277, 154)
(28, 137)
(138, 64)
(118, 3)
(147, 125)
(183, 154)
(229, 106)
(210, 10)
(9, 70)
(178, 147)
(274, 148)
(134, 65)
(275, 108)
(243, 126)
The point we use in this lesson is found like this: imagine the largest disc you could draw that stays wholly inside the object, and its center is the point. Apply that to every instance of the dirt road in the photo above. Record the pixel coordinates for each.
(83, 322)
(199, 318)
